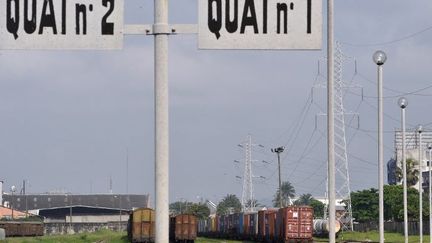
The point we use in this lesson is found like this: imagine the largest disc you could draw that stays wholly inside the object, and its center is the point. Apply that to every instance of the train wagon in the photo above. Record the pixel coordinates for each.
(183, 228)
(20, 229)
(141, 225)
(267, 225)
(321, 227)
(295, 224)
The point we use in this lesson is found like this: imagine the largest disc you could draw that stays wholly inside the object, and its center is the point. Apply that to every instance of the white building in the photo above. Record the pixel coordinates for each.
(412, 143)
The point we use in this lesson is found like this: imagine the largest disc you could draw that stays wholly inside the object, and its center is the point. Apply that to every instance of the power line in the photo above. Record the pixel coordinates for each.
(389, 42)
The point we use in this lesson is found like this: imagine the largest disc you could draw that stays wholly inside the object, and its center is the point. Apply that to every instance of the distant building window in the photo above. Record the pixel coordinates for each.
(65, 200)
(35, 199)
(18, 199)
(35, 205)
(19, 205)
(49, 199)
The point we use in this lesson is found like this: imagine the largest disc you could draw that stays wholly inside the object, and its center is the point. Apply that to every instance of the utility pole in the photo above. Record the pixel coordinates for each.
(380, 58)
(278, 151)
(161, 30)
(330, 122)
(420, 147)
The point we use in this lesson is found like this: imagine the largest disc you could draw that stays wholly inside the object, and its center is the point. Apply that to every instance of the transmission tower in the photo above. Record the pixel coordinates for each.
(247, 200)
(343, 190)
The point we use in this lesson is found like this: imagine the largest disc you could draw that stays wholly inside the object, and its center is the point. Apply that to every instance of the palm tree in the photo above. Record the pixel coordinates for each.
(305, 199)
(288, 192)
(411, 170)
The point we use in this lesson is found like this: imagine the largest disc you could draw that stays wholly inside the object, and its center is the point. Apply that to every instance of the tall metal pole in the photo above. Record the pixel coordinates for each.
(161, 32)
(280, 182)
(420, 183)
(379, 58)
(380, 154)
(279, 150)
(403, 103)
(330, 121)
(430, 192)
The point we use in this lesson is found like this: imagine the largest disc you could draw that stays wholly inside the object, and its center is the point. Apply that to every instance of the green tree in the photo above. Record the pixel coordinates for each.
(318, 208)
(230, 203)
(393, 203)
(200, 210)
(253, 203)
(304, 199)
(288, 192)
(180, 207)
(365, 205)
(412, 172)
(308, 200)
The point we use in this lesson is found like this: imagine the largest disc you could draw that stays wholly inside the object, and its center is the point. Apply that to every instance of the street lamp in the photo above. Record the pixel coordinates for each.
(420, 130)
(403, 103)
(278, 151)
(429, 146)
(379, 58)
(13, 190)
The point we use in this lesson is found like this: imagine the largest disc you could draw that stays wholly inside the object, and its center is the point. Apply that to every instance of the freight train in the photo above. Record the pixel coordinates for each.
(19, 229)
(141, 227)
(284, 225)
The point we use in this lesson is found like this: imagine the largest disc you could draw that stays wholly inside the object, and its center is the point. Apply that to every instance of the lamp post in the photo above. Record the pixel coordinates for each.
(403, 103)
(278, 151)
(420, 130)
(379, 58)
(13, 190)
(429, 146)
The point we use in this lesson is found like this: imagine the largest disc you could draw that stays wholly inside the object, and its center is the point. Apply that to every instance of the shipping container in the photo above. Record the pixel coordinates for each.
(267, 224)
(142, 225)
(251, 225)
(295, 223)
(183, 228)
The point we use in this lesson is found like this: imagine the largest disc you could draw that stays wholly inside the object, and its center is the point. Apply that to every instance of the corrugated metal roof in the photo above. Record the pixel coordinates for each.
(46, 201)
(7, 213)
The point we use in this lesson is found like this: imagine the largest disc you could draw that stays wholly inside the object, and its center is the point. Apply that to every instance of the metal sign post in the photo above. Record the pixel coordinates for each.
(161, 31)
(330, 121)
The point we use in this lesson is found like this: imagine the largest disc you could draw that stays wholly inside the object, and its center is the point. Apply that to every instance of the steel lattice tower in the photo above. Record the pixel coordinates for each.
(247, 199)
(343, 189)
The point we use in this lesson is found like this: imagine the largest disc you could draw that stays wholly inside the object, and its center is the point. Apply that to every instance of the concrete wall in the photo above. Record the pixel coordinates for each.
(97, 219)
(75, 228)
(1, 193)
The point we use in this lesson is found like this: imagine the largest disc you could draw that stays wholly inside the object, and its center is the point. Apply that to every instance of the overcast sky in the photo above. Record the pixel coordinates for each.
(67, 118)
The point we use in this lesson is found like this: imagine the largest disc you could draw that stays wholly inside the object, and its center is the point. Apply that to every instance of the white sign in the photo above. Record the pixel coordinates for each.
(260, 24)
(61, 24)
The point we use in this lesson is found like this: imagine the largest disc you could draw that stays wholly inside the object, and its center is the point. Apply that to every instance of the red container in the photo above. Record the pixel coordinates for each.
(295, 223)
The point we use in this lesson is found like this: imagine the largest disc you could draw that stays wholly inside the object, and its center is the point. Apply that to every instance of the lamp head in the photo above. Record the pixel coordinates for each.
(403, 102)
(420, 129)
(379, 57)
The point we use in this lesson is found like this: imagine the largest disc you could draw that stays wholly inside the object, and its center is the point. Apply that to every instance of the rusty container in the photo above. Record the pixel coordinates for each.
(267, 224)
(143, 225)
(185, 227)
(295, 223)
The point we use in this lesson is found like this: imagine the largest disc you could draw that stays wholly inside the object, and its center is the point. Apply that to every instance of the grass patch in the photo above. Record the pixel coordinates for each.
(373, 236)
(103, 236)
